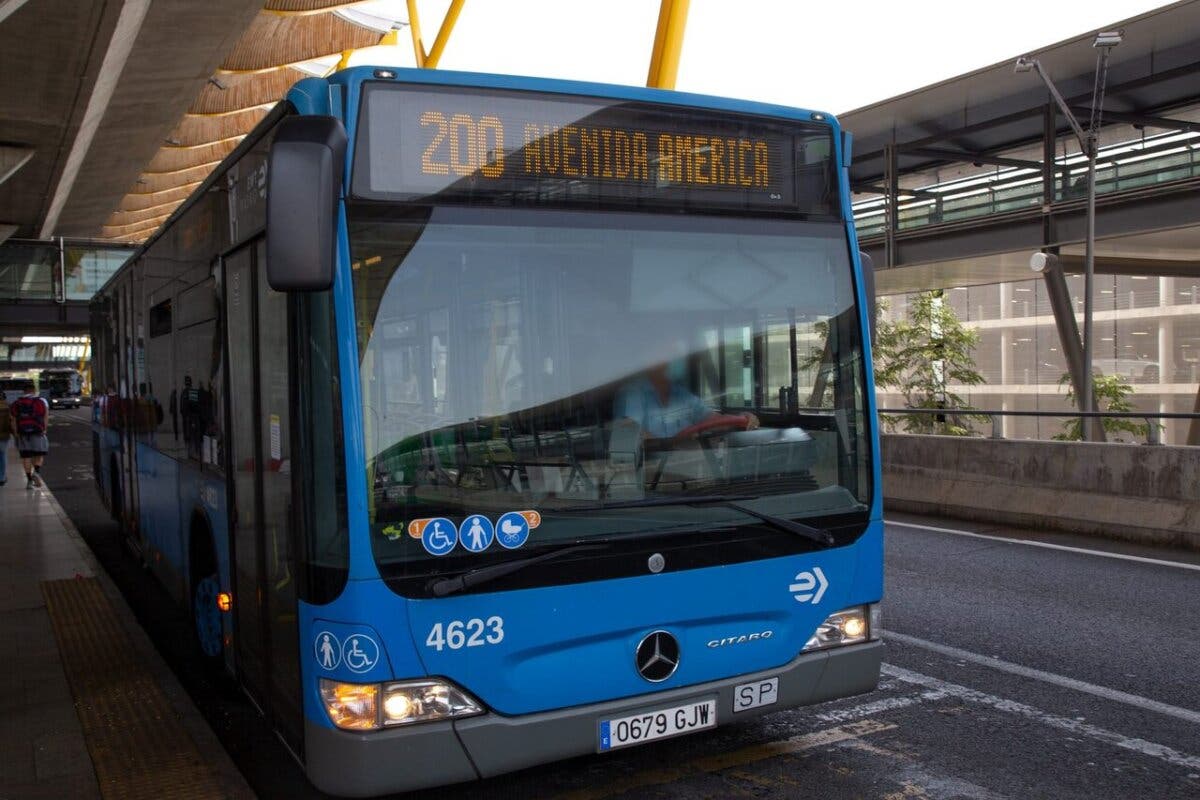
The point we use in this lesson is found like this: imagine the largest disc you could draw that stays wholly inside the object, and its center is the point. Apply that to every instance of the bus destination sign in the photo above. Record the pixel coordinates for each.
(443, 143)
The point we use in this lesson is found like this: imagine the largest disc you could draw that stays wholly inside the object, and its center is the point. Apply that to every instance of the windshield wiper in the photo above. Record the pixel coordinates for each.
(444, 587)
(819, 535)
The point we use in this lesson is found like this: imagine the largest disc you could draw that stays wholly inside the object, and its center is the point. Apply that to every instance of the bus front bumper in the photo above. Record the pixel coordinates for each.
(440, 753)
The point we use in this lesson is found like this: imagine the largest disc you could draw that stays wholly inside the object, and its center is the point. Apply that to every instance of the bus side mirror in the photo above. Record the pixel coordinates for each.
(304, 182)
(868, 273)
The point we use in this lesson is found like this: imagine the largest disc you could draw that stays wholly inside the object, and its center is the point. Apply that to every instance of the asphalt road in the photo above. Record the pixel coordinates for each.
(1014, 670)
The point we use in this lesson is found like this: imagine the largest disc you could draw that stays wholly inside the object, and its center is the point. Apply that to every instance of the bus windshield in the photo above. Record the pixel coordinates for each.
(586, 369)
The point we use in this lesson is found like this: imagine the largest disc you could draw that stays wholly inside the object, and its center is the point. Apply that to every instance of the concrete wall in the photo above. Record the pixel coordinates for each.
(1139, 493)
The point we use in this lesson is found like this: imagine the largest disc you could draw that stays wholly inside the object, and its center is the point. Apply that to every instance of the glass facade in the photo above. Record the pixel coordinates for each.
(1147, 331)
(30, 271)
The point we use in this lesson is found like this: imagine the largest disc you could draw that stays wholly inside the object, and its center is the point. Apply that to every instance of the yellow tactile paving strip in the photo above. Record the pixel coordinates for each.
(139, 748)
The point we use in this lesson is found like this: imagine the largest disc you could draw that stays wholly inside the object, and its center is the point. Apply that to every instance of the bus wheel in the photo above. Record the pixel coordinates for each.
(207, 616)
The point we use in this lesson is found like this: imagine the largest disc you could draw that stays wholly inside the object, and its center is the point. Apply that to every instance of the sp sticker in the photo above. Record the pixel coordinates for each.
(810, 586)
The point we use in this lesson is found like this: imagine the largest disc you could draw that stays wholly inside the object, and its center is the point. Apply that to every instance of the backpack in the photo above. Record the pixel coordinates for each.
(30, 413)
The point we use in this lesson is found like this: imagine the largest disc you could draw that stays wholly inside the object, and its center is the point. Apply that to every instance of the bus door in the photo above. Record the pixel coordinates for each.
(260, 490)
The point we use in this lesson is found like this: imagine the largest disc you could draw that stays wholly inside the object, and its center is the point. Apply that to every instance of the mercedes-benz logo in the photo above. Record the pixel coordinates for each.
(657, 656)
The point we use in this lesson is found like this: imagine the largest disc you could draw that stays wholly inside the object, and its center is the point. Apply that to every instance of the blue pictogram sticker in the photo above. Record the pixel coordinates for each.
(360, 653)
(512, 530)
(440, 536)
(476, 533)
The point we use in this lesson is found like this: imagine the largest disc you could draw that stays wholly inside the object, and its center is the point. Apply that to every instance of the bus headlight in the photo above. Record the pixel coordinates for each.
(850, 626)
(370, 706)
(351, 706)
(424, 701)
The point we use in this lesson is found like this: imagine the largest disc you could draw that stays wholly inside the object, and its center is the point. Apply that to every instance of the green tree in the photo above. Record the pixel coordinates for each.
(921, 357)
(1112, 394)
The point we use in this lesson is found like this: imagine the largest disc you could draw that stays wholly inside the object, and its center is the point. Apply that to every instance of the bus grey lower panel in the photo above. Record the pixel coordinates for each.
(502, 744)
(381, 762)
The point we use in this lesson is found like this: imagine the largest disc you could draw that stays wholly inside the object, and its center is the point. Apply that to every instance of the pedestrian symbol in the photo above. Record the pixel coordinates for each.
(512, 530)
(477, 533)
(328, 650)
(439, 537)
(360, 652)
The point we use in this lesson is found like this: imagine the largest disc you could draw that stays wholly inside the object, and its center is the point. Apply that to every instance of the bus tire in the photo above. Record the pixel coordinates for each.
(205, 584)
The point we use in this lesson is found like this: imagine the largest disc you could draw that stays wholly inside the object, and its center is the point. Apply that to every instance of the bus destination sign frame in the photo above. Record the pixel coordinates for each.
(437, 144)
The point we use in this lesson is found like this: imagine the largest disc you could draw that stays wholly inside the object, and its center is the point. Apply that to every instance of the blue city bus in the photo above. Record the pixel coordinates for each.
(486, 421)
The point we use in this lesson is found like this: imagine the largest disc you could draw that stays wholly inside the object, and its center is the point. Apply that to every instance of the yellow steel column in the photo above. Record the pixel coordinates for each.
(414, 25)
(439, 44)
(664, 19)
(668, 43)
(430, 60)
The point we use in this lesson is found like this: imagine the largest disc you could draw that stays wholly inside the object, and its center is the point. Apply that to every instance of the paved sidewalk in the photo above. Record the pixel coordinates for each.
(43, 749)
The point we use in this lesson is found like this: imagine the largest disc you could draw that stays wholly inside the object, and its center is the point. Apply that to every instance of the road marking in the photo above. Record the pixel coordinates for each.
(917, 782)
(723, 761)
(1116, 695)
(1007, 540)
(1147, 748)
(878, 707)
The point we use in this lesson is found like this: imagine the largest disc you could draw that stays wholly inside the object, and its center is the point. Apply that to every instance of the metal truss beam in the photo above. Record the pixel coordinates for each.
(875, 189)
(1144, 120)
(973, 158)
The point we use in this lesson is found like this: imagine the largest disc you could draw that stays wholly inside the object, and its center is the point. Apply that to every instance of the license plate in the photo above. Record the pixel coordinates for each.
(659, 724)
(754, 695)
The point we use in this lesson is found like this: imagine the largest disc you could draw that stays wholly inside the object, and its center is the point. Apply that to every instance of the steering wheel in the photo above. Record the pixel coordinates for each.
(715, 425)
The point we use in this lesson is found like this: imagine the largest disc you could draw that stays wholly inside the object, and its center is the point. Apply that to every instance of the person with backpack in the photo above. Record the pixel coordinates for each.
(29, 414)
(6, 430)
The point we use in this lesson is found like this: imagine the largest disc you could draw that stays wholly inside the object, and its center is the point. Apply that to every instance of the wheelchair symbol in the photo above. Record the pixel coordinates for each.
(439, 536)
(360, 653)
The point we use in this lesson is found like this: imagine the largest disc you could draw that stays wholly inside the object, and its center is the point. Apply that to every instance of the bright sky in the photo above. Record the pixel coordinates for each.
(830, 56)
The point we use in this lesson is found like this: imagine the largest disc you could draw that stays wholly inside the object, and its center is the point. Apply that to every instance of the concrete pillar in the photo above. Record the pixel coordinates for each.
(1005, 356)
(1166, 291)
(1166, 349)
(1166, 373)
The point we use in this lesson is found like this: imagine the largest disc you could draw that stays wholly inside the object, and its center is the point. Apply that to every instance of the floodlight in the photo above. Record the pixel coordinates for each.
(1025, 64)
(1108, 38)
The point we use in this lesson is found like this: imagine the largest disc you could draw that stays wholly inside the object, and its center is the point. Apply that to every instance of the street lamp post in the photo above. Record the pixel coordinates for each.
(1089, 143)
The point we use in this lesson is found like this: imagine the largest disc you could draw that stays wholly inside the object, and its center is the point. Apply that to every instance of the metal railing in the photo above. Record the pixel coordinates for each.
(996, 417)
(957, 200)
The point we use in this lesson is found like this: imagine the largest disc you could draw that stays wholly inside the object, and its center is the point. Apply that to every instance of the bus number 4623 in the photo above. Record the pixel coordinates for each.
(472, 633)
